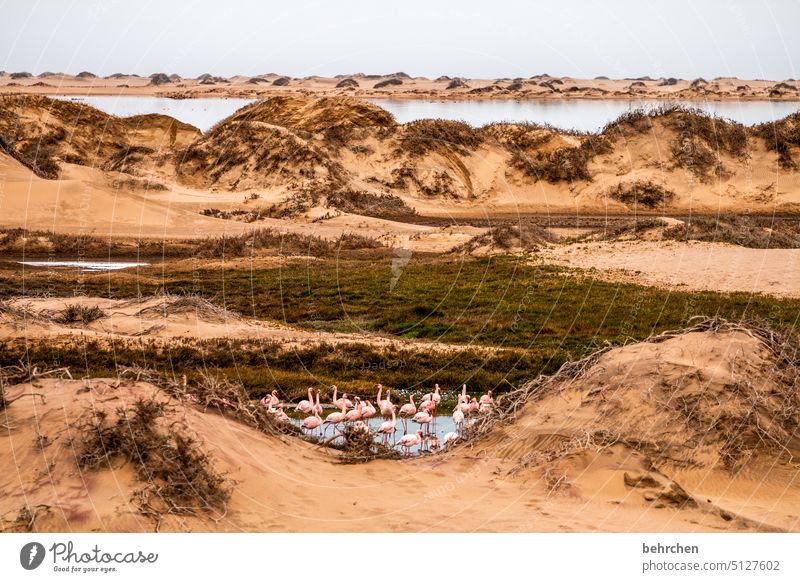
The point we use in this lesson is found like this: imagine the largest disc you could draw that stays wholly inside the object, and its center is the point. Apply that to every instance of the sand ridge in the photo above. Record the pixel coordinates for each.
(509, 480)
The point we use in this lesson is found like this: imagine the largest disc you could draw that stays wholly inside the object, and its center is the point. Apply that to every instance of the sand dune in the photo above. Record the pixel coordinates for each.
(339, 163)
(577, 457)
(401, 85)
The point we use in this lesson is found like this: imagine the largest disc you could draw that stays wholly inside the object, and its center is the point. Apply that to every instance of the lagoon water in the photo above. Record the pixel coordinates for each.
(202, 113)
(85, 265)
(577, 114)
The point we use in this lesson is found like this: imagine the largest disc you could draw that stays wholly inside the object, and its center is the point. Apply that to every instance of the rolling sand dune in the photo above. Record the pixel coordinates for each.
(402, 86)
(338, 163)
(658, 436)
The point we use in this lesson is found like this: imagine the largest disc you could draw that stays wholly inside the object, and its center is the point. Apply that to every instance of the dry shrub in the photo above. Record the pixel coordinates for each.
(177, 476)
(386, 206)
(739, 230)
(426, 135)
(641, 193)
(780, 137)
(360, 447)
(508, 237)
(387, 83)
(83, 314)
(202, 308)
(562, 165)
(284, 243)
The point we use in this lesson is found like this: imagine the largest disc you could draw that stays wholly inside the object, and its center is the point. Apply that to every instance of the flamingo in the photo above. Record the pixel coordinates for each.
(317, 408)
(410, 440)
(368, 410)
(434, 396)
(280, 415)
(270, 400)
(428, 406)
(386, 406)
(337, 402)
(335, 418)
(458, 417)
(354, 414)
(423, 417)
(487, 398)
(311, 423)
(432, 442)
(408, 410)
(463, 396)
(306, 406)
(388, 427)
(473, 406)
(450, 439)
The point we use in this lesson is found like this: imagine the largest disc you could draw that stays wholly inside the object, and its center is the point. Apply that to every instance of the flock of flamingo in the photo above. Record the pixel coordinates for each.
(354, 413)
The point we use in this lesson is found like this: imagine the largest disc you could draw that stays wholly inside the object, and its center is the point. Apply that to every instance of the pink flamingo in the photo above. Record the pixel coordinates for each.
(410, 440)
(368, 411)
(317, 408)
(280, 415)
(473, 406)
(487, 398)
(423, 417)
(463, 396)
(386, 406)
(306, 406)
(334, 419)
(458, 418)
(337, 402)
(434, 396)
(354, 414)
(311, 423)
(408, 410)
(387, 428)
(450, 439)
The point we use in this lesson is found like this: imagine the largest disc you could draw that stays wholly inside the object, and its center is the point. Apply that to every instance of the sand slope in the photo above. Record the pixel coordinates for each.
(535, 472)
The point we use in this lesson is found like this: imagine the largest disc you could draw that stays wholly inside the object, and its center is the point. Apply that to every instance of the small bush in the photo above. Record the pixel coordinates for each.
(82, 314)
(641, 193)
(387, 83)
(177, 476)
(425, 135)
(386, 206)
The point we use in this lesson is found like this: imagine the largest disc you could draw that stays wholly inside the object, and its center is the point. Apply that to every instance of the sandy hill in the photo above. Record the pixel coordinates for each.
(694, 431)
(670, 160)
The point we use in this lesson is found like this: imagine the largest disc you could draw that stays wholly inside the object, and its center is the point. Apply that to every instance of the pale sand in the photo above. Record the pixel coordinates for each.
(720, 89)
(162, 319)
(685, 266)
(499, 484)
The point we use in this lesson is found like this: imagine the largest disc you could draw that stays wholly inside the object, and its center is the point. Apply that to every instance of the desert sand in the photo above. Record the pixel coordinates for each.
(402, 86)
(636, 441)
(688, 266)
(577, 457)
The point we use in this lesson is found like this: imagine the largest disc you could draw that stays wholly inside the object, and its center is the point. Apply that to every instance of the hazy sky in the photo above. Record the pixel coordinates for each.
(471, 38)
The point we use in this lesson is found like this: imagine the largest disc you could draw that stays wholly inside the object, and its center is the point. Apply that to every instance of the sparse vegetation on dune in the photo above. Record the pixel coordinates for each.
(264, 241)
(420, 137)
(387, 206)
(745, 231)
(297, 142)
(642, 193)
(782, 137)
(177, 477)
(507, 237)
